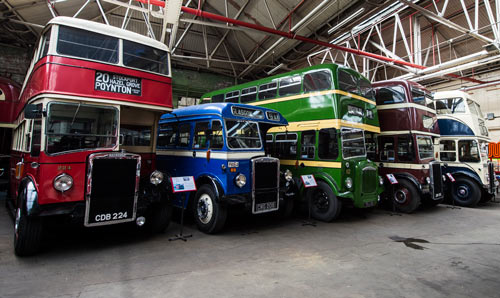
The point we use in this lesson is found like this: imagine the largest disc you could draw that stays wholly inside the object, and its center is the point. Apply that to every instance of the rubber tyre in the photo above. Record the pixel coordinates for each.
(471, 192)
(27, 233)
(406, 198)
(325, 206)
(159, 219)
(432, 203)
(209, 215)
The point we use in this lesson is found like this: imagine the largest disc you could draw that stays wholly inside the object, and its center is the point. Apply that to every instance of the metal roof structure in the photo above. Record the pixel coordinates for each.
(429, 41)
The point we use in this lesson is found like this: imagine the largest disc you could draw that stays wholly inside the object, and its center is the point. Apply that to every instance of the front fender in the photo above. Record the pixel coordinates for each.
(29, 196)
(325, 178)
(410, 178)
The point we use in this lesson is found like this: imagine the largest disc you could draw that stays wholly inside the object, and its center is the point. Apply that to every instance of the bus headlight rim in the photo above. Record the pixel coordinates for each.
(380, 180)
(240, 180)
(288, 175)
(63, 182)
(156, 177)
(348, 182)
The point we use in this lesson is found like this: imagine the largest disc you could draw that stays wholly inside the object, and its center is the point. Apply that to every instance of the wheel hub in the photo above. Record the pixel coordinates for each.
(401, 196)
(463, 191)
(205, 209)
(321, 201)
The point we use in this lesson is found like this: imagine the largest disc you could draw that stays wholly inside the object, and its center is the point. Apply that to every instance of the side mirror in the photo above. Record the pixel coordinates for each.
(490, 116)
(32, 111)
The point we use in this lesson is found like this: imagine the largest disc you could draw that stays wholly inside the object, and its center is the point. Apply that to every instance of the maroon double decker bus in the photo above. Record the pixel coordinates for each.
(405, 145)
(9, 94)
(85, 131)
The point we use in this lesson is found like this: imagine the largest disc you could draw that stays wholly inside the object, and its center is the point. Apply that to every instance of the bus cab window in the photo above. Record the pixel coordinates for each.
(200, 135)
(347, 82)
(317, 81)
(448, 150)
(328, 145)
(290, 86)
(405, 148)
(37, 138)
(184, 135)
(233, 96)
(286, 146)
(387, 148)
(308, 144)
(269, 144)
(168, 135)
(268, 90)
(450, 106)
(218, 98)
(248, 94)
(371, 145)
(425, 147)
(45, 44)
(468, 151)
(135, 135)
(217, 140)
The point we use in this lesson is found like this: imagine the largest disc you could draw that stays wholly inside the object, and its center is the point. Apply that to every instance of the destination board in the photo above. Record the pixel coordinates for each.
(117, 83)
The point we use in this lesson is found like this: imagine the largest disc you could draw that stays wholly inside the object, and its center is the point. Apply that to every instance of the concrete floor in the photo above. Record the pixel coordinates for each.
(256, 257)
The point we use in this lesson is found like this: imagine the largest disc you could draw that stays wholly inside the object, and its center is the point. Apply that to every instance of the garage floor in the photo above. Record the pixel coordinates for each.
(454, 253)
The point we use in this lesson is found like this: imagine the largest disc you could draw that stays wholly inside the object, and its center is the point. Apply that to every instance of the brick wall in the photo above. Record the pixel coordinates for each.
(14, 62)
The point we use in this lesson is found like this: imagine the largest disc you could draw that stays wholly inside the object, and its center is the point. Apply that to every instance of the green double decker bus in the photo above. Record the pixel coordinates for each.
(329, 109)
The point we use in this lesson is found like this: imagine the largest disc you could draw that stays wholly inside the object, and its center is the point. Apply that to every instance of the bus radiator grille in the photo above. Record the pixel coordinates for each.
(369, 180)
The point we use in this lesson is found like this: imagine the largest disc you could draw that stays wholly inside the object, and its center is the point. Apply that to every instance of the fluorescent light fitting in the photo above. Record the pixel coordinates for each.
(346, 20)
(275, 69)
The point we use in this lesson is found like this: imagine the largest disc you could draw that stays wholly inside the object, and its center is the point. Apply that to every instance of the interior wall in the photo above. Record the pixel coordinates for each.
(14, 62)
(487, 97)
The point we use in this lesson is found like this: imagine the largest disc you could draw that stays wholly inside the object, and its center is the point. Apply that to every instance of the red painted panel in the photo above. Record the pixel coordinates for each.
(10, 94)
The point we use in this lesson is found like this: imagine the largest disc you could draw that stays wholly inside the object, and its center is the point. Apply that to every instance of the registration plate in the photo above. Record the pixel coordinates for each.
(262, 207)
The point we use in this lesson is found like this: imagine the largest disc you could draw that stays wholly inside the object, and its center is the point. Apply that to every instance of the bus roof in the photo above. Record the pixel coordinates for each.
(330, 66)
(108, 30)
(453, 94)
(407, 83)
(225, 110)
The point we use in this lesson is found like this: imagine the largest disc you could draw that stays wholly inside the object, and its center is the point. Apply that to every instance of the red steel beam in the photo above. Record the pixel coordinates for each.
(224, 19)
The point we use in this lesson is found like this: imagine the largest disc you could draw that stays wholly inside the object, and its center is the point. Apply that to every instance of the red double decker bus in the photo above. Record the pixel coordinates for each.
(85, 131)
(9, 94)
(405, 146)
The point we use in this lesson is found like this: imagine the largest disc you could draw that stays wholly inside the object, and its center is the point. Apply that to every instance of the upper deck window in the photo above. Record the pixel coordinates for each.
(143, 57)
(80, 127)
(218, 98)
(317, 81)
(268, 90)
(388, 95)
(248, 94)
(45, 44)
(366, 89)
(243, 135)
(450, 106)
(233, 96)
(89, 45)
(420, 96)
(348, 82)
(290, 86)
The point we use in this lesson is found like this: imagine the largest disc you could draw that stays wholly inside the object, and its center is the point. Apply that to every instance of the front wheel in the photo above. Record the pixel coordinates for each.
(210, 215)
(465, 192)
(159, 218)
(27, 233)
(325, 206)
(406, 198)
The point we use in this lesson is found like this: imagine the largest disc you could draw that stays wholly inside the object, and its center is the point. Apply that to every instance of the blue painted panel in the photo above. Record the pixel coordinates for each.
(455, 170)
(450, 127)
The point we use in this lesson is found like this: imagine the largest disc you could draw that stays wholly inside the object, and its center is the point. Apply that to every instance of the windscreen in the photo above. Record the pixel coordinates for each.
(353, 142)
(243, 135)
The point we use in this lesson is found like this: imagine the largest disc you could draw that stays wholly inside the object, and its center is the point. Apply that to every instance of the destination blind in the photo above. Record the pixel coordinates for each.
(117, 83)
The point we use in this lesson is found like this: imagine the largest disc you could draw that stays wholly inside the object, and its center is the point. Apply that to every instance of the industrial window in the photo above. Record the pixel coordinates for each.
(290, 86)
(328, 144)
(145, 57)
(248, 94)
(308, 140)
(218, 98)
(388, 95)
(286, 146)
(447, 150)
(348, 82)
(88, 45)
(233, 96)
(217, 140)
(468, 151)
(317, 81)
(268, 90)
(167, 136)
(200, 135)
(405, 148)
(386, 148)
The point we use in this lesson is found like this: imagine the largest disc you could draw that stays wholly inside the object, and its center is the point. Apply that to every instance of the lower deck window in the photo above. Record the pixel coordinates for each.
(328, 145)
(425, 147)
(286, 146)
(135, 135)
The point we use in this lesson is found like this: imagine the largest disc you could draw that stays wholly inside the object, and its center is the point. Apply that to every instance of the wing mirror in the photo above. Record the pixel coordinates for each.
(32, 111)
